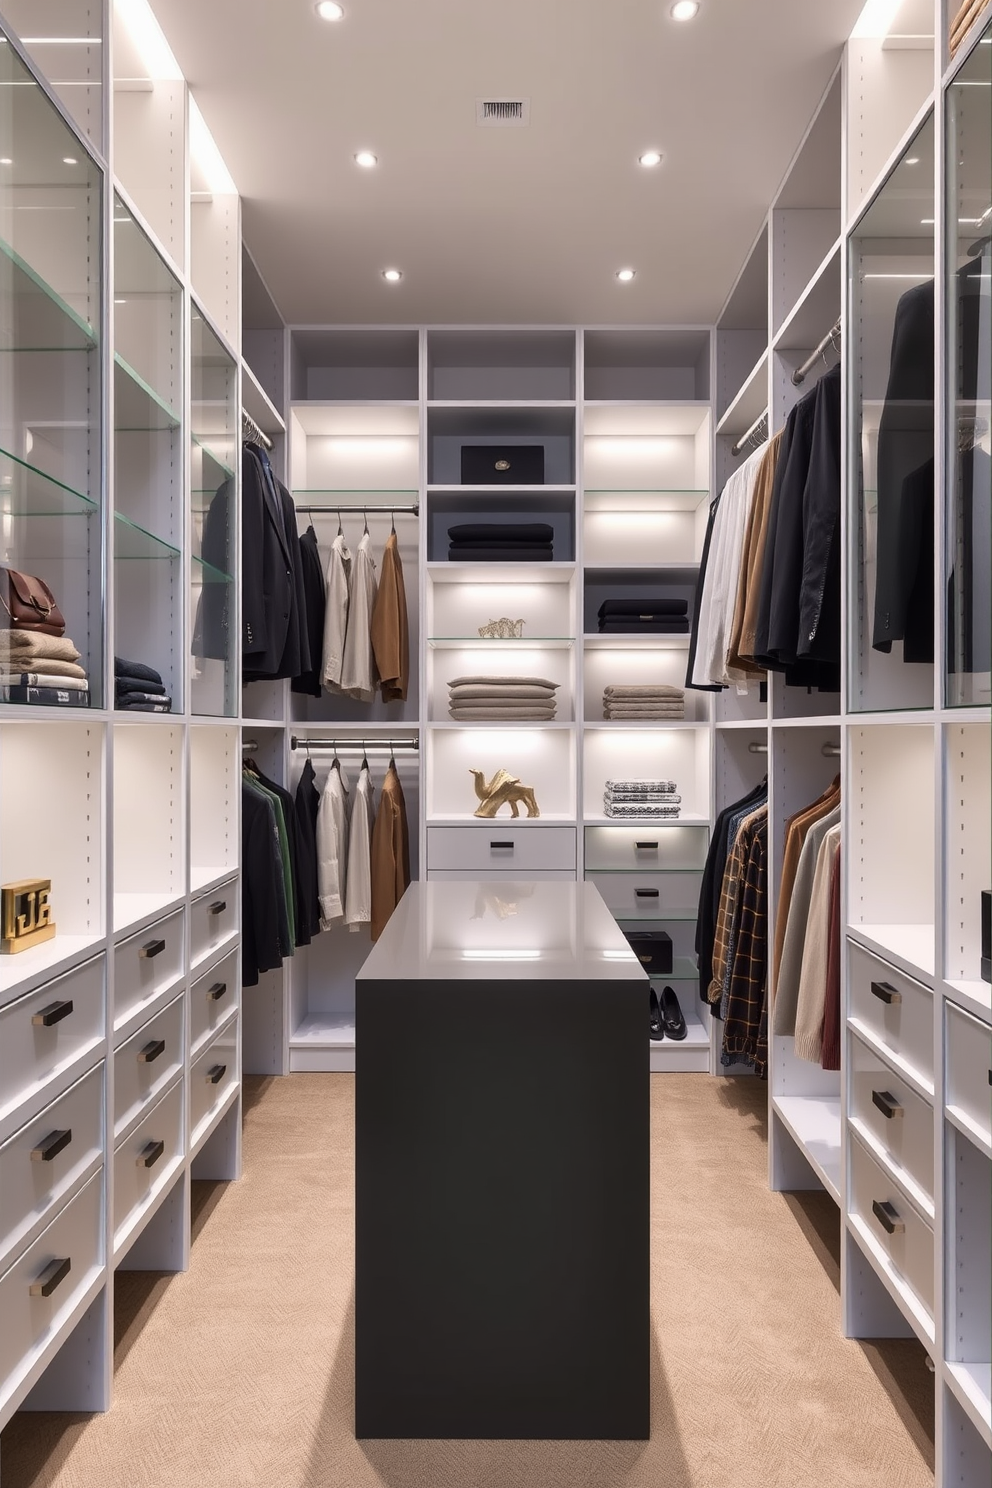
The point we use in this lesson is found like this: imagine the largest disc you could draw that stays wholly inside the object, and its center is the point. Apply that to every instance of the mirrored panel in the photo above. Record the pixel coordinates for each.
(214, 495)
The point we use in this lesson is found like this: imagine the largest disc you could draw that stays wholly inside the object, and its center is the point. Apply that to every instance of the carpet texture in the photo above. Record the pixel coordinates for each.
(238, 1374)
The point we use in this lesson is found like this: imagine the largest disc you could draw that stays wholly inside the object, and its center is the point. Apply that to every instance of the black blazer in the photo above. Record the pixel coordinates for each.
(261, 943)
(308, 680)
(274, 642)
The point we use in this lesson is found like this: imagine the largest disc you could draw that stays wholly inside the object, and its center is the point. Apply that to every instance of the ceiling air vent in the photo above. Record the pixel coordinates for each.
(502, 113)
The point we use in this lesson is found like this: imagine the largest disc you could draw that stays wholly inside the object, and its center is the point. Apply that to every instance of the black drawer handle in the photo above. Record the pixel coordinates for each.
(646, 846)
(216, 992)
(508, 846)
(150, 1155)
(886, 993)
(52, 1014)
(216, 1074)
(218, 906)
(151, 949)
(888, 1217)
(886, 1103)
(53, 1276)
(151, 1052)
(646, 893)
(53, 1144)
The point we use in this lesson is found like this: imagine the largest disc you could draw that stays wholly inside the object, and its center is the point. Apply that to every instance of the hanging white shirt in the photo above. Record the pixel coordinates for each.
(723, 566)
(332, 847)
(338, 583)
(358, 899)
(358, 671)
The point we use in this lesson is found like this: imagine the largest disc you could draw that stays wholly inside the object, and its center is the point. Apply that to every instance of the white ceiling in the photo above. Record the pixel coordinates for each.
(522, 225)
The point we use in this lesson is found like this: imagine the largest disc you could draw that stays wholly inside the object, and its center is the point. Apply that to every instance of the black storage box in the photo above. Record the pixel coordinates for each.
(653, 948)
(987, 935)
(502, 464)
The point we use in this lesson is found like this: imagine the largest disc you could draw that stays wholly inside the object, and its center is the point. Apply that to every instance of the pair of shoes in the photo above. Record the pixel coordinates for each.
(667, 1020)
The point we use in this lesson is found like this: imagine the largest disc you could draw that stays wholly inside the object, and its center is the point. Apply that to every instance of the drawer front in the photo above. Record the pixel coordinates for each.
(532, 875)
(898, 1119)
(909, 1245)
(211, 1000)
(897, 1010)
(213, 1075)
(40, 1289)
(146, 965)
(44, 1033)
(495, 847)
(143, 1161)
(645, 848)
(213, 920)
(40, 1163)
(969, 1068)
(649, 896)
(144, 1065)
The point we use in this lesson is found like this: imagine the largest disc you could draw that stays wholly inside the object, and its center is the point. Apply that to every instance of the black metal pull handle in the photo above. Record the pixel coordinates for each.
(886, 1103)
(151, 1052)
(151, 949)
(53, 1144)
(891, 996)
(52, 1014)
(888, 1217)
(216, 992)
(53, 1276)
(216, 1074)
(150, 1155)
(218, 906)
(507, 845)
(646, 893)
(646, 846)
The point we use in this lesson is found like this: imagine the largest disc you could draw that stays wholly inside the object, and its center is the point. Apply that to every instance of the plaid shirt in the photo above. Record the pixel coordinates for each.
(728, 913)
(745, 1032)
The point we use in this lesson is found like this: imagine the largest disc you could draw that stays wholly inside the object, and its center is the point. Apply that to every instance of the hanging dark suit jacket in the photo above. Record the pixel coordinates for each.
(212, 629)
(261, 944)
(273, 602)
(315, 604)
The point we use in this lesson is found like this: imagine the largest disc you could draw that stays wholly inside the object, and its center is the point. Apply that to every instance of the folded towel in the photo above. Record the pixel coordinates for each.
(499, 694)
(522, 554)
(492, 715)
(655, 606)
(647, 813)
(496, 681)
(640, 785)
(27, 645)
(666, 705)
(475, 534)
(125, 685)
(124, 668)
(651, 716)
(45, 673)
(649, 690)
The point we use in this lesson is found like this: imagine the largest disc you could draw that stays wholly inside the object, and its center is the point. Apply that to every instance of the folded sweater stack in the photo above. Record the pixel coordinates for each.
(139, 688)
(501, 542)
(502, 699)
(644, 704)
(38, 668)
(641, 800)
(644, 617)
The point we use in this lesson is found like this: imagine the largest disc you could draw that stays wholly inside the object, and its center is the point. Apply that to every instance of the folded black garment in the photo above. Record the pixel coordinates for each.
(163, 706)
(674, 625)
(501, 555)
(612, 608)
(135, 671)
(137, 699)
(477, 533)
(125, 685)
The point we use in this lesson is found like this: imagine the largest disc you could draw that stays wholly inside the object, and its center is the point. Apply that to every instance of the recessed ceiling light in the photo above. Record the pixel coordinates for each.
(366, 159)
(625, 275)
(650, 157)
(392, 276)
(69, 160)
(6, 160)
(329, 10)
(912, 159)
(684, 10)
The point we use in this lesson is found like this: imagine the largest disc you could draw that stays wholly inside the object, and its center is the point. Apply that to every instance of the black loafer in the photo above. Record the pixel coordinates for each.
(672, 1021)
(657, 1030)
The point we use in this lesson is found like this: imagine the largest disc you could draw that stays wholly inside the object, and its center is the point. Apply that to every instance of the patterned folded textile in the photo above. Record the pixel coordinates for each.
(124, 668)
(486, 692)
(640, 786)
(476, 534)
(652, 690)
(632, 812)
(498, 715)
(498, 681)
(29, 645)
(138, 699)
(44, 672)
(164, 705)
(523, 554)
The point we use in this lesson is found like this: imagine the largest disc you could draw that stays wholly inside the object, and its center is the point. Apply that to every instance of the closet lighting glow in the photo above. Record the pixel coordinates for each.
(62, 40)
(913, 160)
(149, 40)
(649, 158)
(625, 275)
(501, 955)
(876, 19)
(69, 160)
(366, 159)
(206, 154)
(6, 160)
(684, 10)
(392, 276)
(330, 10)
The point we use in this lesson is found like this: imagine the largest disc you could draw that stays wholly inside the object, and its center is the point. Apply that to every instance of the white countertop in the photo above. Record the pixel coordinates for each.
(487, 930)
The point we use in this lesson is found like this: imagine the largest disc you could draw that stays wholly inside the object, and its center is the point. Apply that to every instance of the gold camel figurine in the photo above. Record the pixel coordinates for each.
(503, 789)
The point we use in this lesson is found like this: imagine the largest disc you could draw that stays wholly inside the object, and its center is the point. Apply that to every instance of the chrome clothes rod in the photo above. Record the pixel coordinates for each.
(830, 339)
(745, 439)
(757, 748)
(254, 433)
(376, 508)
(249, 746)
(829, 751)
(340, 746)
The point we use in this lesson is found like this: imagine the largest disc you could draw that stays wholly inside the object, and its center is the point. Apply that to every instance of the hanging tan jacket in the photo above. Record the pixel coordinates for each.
(390, 852)
(390, 629)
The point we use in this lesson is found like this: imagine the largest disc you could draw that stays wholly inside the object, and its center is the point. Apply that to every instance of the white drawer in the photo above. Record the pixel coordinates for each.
(40, 1289)
(213, 919)
(896, 1010)
(43, 1034)
(213, 1075)
(146, 965)
(893, 1223)
(648, 896)
(212, 999)
(40, 1163)
(649, 846)
(480, 850)
(969, 1069)
(145, 1064)
(899, 1120)
(532, 875)
(145, 1161)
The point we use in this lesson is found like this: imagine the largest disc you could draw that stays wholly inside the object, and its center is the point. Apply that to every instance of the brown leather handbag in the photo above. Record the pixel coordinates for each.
(29, 603)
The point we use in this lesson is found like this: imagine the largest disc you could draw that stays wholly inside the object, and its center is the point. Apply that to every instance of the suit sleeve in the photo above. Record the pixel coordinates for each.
(255, 635)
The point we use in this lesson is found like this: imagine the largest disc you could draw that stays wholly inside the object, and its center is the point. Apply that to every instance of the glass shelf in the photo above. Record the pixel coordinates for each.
(27, 492)
(207, 446)
(353, 491)
(137, 407)
(206, 573)
(683, 970)
(35, 318)
(522, 643)
(133, 542)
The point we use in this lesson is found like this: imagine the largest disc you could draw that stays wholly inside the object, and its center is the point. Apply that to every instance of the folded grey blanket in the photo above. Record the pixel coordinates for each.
(640, 786)
(499, 715)
(654, 690)
(502, 681)
(645, 715)
(522, 691)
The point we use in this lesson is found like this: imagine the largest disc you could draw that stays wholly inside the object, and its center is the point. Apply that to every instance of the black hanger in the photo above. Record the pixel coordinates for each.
(980, 246)
(365, 756)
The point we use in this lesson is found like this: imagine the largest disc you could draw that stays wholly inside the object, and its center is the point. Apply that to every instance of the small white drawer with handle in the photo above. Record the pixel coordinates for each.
(44, 1034)
(212, 1077)
(649, 896)
(477, 851)
(893, 1223)
(146, 965)
(145, 1064)
(968, 1086)
(649, 847)
(146, 1160)
(892, 1115)
(213, 920)
(894, 1009)
(212, 1000)
(40, 1163)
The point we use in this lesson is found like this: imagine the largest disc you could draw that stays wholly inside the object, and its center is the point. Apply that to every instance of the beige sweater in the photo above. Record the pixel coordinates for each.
(813, 976)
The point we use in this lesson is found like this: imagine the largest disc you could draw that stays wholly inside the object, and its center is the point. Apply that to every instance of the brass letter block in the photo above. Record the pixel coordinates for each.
(25, 914)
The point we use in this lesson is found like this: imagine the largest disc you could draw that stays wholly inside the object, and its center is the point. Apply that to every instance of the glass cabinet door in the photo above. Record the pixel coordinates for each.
(51, 466)
(890, 352)
(214, 442)
(148, 473)
(968, 528)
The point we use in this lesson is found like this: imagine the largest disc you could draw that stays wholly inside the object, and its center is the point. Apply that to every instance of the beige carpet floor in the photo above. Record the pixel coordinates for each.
(238, 1374)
